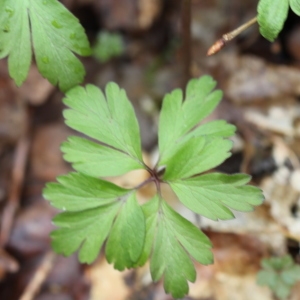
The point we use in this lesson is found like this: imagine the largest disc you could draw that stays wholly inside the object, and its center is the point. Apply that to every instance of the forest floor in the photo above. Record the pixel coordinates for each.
(261, 85)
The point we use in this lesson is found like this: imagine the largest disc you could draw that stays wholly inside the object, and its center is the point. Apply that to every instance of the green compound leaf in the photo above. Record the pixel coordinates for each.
(211, 195)
(271, 17)
(177, 118)
(56, 34)
(109, 120)
(126, 240)
(280, 274)
(108, 45)
(98, 211)
(295, 6)
(172, 242)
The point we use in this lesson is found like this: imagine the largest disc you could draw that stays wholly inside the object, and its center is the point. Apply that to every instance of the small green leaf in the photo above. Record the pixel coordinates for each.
(172, 242)
(109, 120)
(267, 277)
(277, 263)
(76, 192)
(186, 150)
(211, 195)
(126, 240)
(55, 35)
(175, 242)
(92, 205)
(197, 155)
(295, 6)
(86, 230)
(280, 274)
(195, 242)
(210, 130)
(282, 290)
(150, 210)
(97, 160)
(108, 45)
(177, 118)
(271, 17)
(291, 275)
(15, 38)
(170, 260)
(92, 209)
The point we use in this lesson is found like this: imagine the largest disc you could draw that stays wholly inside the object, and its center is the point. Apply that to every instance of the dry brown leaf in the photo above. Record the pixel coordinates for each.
(46, 158)
(35, 89)
(249, 78)
(106, 282)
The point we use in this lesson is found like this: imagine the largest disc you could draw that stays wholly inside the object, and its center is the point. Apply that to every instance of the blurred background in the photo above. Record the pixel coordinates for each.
(146, 46)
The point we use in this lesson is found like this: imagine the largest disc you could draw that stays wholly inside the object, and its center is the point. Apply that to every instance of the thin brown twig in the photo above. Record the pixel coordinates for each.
(39, 276)
(17, 178)
(227, 37)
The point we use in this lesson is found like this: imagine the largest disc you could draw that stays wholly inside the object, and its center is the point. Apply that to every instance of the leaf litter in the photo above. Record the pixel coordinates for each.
(270, 229)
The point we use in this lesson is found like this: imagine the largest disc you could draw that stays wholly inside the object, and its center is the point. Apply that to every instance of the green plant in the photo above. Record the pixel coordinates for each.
(272, 15)
(280, 274)
(97, 210)
(55, 34)
(108, 45)
(271, 18)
